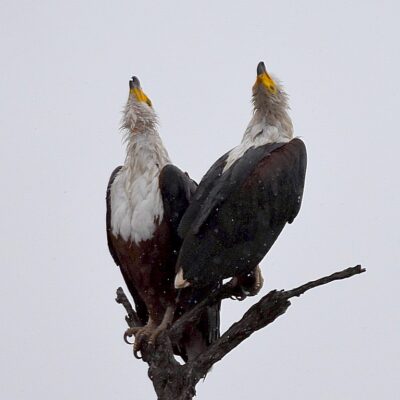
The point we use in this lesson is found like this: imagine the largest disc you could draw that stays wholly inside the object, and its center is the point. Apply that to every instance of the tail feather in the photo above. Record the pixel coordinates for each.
(197, 338)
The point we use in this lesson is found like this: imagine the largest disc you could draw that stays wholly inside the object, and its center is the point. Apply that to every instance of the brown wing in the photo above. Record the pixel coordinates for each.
(177, 190)
(140, 306)
(246, 210)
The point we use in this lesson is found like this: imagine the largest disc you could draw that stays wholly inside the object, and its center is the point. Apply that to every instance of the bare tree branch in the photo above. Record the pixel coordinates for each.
(173, 381)
(261, 314)
(131, 318)
(346, 273)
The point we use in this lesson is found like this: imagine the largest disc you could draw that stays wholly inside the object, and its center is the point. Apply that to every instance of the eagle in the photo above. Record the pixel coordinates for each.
(146, 198)
(248, 195)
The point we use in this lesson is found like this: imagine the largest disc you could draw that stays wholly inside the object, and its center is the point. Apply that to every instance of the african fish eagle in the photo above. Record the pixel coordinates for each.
(146, 198)
(247, 196)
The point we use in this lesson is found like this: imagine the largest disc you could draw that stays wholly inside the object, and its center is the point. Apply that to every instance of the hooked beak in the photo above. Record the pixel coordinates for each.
(136, 90)
(134, 83)
(264, 79)
(261, 68)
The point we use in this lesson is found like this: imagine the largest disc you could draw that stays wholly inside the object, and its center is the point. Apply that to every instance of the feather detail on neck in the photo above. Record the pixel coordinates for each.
(262, 129)
(136, 201)
(270, 123)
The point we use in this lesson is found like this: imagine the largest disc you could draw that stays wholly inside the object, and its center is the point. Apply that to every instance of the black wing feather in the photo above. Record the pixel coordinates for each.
(108, 216)
(247, 209)
(216, 186)
(200, 196)
(178, 190)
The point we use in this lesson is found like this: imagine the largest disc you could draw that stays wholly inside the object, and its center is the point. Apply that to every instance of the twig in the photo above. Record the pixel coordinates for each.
(131, 318)
(346, 273)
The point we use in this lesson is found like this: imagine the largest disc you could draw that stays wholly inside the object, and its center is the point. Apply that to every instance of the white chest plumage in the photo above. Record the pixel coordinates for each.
(136, 206)
(136, 202)
(258, 133)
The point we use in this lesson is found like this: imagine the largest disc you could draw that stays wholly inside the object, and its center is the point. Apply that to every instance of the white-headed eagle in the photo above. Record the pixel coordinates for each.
(146, 198)
(247, 196)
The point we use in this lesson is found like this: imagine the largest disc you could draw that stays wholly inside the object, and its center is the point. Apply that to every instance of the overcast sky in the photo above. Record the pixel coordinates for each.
(65, 67)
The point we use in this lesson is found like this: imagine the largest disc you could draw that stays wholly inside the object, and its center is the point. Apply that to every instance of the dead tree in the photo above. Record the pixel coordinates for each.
(173, 381)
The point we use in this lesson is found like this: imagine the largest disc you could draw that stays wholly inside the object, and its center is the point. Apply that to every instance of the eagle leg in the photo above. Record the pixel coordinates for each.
(258, 282)
(143, 334)
(150, 331)
(237, 290)
(165, 324)
(247, 285)
(140, 334)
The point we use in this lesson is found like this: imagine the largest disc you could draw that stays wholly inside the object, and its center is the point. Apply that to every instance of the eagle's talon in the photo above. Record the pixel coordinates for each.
(136, 354)
(141, 334)
(247, 285)
(239, 293)
(127, 341)
(238, 297)
(258, 282)
(129, 333)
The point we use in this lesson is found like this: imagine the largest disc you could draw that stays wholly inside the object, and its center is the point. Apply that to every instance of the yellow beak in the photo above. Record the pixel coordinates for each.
(136, 90)
(264, 79)
(140, 95)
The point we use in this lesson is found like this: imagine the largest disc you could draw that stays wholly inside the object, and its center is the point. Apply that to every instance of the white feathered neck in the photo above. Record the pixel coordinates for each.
(270, 123)
(136, 203)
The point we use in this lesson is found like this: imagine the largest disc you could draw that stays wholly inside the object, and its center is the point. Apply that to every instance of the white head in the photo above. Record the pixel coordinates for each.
(136, 201)
(268, 93)
(271, 105)
(138, 115)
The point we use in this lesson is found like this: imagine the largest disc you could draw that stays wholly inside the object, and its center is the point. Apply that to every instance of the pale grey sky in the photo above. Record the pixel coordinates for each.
(65, 68)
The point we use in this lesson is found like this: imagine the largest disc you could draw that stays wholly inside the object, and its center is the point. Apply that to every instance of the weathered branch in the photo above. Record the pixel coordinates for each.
(346, 273)
(131, 318)
(258, 316)
(174, 381)
(261, 314)
(163, 367)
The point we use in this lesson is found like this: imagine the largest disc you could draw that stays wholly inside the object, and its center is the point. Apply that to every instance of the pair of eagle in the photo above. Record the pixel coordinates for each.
(175, 241)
